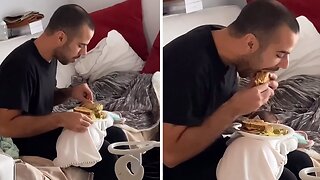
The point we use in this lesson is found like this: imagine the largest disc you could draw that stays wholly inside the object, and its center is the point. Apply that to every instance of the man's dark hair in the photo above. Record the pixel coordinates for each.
(262, 18)
(69, 18)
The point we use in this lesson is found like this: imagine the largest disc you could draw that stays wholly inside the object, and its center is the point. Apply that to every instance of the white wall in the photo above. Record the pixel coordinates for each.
(16, 7)
(178, 6)
(211, 3)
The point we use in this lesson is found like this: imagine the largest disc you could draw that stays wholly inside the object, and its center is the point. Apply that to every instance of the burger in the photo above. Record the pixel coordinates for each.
(256, 126)
(93, 110)
(262, 77)
(85, 111)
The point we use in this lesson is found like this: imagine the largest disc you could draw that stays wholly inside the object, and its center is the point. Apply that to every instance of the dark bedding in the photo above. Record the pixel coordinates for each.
(129, 94)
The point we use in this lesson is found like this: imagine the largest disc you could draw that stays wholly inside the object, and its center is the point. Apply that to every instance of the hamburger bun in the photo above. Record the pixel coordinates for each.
(85, 111)
(96, 107)
(262, 77)
(256, 126)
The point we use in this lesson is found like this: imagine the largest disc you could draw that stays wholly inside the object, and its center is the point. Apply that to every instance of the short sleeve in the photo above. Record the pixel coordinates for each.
(184, 89)
(16, 83)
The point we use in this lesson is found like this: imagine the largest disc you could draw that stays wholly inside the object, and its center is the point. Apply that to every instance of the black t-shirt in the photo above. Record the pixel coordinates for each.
(195, 80)
(195, 84)
(27, 83)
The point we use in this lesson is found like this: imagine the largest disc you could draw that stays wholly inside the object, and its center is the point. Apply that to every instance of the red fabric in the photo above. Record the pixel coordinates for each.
(307, 8)
(126, 18)
(153, 63)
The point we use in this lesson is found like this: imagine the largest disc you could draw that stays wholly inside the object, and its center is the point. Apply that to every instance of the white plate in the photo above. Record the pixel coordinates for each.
(263, 137)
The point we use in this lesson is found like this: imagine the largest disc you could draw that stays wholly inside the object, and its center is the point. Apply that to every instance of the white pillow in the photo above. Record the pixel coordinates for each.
(111, 54)
(176, 25)
(304, 58)
(64, 75)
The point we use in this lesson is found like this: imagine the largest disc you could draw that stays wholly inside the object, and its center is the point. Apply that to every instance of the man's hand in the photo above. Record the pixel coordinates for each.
(248, 100)
(273, 84)
(264, 115)
(82, 92)
(74, 121)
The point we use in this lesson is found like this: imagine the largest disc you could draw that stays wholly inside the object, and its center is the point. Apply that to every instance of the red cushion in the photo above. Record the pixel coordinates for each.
(307, 8)
(126, 18)
(153, 62)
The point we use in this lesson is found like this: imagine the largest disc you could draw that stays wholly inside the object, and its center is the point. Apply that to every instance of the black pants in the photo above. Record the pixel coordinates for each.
(101, 170)
(297, 160)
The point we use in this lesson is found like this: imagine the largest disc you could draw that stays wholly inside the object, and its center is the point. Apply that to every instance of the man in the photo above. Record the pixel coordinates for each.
(28, 90)
(201, 98)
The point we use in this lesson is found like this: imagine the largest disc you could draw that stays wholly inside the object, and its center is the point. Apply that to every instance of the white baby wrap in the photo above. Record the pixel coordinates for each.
(251, 159)
(81, 149)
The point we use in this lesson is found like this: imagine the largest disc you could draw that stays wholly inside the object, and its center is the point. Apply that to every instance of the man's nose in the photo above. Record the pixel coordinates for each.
(83, 51)
(284, 63)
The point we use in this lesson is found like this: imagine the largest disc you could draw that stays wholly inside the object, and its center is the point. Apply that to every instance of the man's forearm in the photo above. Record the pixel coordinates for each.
(61, 95)
(27, 126)
(194, 140)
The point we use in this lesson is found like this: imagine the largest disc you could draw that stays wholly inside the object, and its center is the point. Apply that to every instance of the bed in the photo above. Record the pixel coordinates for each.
(296, 101)
(125, 59)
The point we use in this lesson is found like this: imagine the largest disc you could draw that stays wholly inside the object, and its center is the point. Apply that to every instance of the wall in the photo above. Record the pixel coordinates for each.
(16, 7)
(177, 6)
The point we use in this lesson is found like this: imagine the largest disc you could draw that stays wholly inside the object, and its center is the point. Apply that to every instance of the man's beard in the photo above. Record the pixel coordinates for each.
(61, 57)
(245, 68)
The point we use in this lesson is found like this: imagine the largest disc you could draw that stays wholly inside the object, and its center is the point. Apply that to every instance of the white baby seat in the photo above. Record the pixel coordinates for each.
(304, 173)
(132, 156)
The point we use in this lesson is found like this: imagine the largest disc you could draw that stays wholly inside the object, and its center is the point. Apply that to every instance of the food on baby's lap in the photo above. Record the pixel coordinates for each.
(93, 110)
(260, 127)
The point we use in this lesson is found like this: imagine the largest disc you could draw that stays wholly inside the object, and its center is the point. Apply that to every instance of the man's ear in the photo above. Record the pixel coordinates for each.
(61, 38)
(251, 43)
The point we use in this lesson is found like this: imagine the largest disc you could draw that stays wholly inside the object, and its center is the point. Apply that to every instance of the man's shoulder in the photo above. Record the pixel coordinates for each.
(21, 53)
(19, 60)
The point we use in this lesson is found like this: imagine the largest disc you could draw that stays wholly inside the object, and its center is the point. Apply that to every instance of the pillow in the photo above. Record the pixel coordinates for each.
(153, 62)
(308, 8)
(304, 58)
(111, 54)
(126, 18)
(64, 75)
(176, 25)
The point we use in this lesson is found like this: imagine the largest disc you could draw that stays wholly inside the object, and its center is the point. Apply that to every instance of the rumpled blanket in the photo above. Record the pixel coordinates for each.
(7, 146)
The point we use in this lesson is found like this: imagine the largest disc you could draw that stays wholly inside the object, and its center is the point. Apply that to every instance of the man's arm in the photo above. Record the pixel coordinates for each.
(80, 92)
(13, 124)
(61, 95)
(181, 143)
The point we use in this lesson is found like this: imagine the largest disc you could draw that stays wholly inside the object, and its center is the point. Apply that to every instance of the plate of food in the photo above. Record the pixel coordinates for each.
(93, 110)
(259, 129)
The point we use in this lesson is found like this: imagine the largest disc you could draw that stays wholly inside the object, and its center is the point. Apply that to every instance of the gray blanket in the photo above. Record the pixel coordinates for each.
(297, 104)
(129, 94)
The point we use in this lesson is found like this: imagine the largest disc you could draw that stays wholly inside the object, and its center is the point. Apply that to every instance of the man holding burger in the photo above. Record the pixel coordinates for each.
(201, 99)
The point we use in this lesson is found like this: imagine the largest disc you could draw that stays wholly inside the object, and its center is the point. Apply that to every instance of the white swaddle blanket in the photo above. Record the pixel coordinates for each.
(82, 149)
(251, 159)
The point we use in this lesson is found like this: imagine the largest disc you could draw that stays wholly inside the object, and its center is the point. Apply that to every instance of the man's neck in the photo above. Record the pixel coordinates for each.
(44, 47)
(223, 42)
